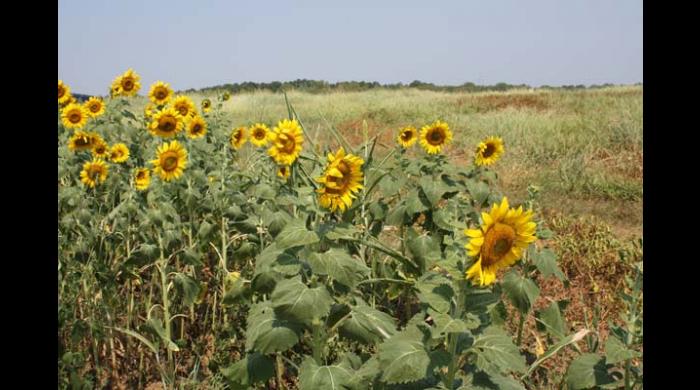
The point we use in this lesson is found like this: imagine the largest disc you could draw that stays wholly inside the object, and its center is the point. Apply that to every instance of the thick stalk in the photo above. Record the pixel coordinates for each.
(164, 290)
(520, 329)
(279, 371)
(452, 342)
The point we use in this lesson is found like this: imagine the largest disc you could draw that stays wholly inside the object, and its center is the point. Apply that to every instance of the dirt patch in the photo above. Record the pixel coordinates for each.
(486, 103)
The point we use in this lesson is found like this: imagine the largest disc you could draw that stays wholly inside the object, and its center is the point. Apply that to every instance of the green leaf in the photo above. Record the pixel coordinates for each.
(495, 350)
(403, 359)
(293, 300)
(368, 325)
(424, 248)
(313, 376)
(204, 229)
(339, 265)
(616, 351)
(570, 339)
(444, 324)
(414, 203)
(588, 370)
(396, 216)
(266, 333)
(264, 191)
(275, 259)
(295, 234)
(546, 262)
(521, 290)
(253, 368)
(366, 374)
(156, 327)
(551, 320)
(188, 287)
(139, 337)
(433, 189)
(435, 290)
(479, 191)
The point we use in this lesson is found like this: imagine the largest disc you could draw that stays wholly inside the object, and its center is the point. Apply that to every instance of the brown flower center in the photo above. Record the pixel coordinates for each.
(167, 124)
(407, 135)
(183, 109)
(75, 117)
(61, 91)
(95, 107)
(197, 128)
(259, 134)
(128, 84)
(436, 137)
(169, 162)
(161, 93)
(498, 241)
(489, 151)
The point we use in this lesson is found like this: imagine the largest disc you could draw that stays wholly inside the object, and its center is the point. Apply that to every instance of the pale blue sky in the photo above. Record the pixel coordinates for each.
(194, 44)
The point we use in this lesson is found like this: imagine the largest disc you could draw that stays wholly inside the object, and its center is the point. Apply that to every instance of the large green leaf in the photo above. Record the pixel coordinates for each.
(415, 203)
(315, 377)
(292, 299)
(616, 351)
(433, 189)
(521, 290)
(495, 350)
(588, 370)
(295, 234)
(435, 290)
(425, 248)
(266, 333)
(253, 368)
(275, 259)
(339, 265)
(366, 374)
(188, 287)
(368, 325)
(444, 324)
(396, 216)
(403, 358)
(552, 321)
(546, 262)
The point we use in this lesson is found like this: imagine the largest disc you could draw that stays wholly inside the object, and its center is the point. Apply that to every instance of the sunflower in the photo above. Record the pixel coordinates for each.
(286, 142)
(504, 234)
(184, 106)
(127, 84)
(142, 178)
(226, 96)
(259, 134)
(119, 153)
(149, 109)
(433, 137)
(206, 105)
(407, 136)
(341, 180)
(238, 137)
(100, 149)
(74, 116)
(116, 88)
(94, 172)
(63, 93)
(489, 151)
(196, 127)
(80, 140)
(171, 161)
(283, 171)
(94, 106)
(166, 123)
(160, 93)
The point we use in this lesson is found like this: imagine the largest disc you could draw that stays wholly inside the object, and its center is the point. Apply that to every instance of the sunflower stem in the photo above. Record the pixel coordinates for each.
(520, 329)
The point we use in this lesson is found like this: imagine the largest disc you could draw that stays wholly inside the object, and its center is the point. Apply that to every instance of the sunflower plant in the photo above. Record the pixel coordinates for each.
(259, 256)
